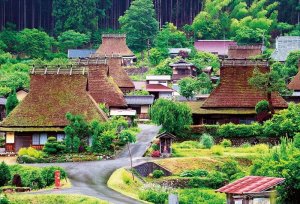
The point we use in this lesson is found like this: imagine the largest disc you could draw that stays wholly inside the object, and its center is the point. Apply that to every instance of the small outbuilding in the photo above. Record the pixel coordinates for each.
(252, 190)
(165, 143)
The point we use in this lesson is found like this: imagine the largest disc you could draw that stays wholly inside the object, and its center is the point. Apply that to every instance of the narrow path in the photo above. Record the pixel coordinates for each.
(90, 178)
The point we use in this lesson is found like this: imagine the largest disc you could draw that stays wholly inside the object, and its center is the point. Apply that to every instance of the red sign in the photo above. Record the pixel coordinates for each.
(57, 179)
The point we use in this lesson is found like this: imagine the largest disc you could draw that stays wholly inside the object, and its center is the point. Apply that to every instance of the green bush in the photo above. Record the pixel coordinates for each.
(5, 174)
(232, 130)
(207, 141)
(26, 159)
(216, 179)
(154, 196)
(30, 152)
(192, 173)
(189, 145)
(158, 173)
(52, 146)
(4, 199)
(48, 174)
(297, 140)
(262, 106)
(230, 168)
(226, 143)
(195, 196)
(217, 150)
(198, 182)
(155, 147)
(2, 141)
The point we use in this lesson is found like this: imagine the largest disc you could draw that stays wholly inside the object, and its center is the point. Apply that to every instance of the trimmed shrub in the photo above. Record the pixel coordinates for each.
(232, 130)
(5, 174)
(52, 146)
(192, 173)
(262, 106)
(226, 143)
(49, 172)
(158, 173)
(207, 141)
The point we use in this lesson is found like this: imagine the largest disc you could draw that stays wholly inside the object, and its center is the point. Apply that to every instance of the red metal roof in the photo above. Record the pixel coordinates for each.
(214, 46)
(251, 184)
(158, 88)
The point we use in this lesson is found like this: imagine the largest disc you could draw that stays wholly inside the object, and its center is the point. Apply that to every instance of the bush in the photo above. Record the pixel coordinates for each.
(31, 152)
(217, 150)
(230, 168)
(4, 199)
(155, 154)
(2, 141)
(216, 179)
(155, 147)
(207, 141)
(192, 173)
(189, 145)
(191, 196)
(52, 146)
(226, 143)
(49, 172)
(154, 193)
(262, 106)
(297, 140)
(232, 130)
(246, 145)
(158, 173)
(5, 174)
(26, 159)
(198, 183)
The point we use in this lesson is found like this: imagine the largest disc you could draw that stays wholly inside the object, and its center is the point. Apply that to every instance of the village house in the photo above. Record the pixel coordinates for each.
(182, 69)
(294, 86)
(252, 190)
(234, 100)
(53, 93)
(217, 47)
(2, 107)
(244, 51)
(158, 86)
(115, 44)
(284, 46)
(141, 104)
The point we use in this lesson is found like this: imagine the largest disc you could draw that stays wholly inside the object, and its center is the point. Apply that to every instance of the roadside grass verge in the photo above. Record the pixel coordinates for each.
(52, 199)
(121, 181)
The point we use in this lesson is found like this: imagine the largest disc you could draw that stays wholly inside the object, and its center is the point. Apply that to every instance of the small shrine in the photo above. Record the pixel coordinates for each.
(165, 143)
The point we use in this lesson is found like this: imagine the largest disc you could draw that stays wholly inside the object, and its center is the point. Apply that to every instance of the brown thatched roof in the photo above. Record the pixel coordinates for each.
(114, 44)
(103, 88)
(117, 72)
(51, 96)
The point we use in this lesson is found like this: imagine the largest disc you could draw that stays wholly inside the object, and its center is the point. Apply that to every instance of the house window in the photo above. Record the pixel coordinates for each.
(10, 137)
(60, 137)
(39, 139)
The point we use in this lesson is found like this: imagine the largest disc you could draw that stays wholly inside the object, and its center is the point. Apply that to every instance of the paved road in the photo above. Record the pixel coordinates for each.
(90, 178)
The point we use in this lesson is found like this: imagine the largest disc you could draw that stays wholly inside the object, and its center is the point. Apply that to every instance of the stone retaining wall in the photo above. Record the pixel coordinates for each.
(147, 168)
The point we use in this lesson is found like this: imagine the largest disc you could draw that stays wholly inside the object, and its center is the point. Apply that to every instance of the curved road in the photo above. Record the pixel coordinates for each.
(90, 178)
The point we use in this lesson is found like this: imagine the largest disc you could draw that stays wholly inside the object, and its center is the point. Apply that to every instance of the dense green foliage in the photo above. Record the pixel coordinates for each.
(138, 93)
(71, 39)
(282, 161)
(188, 87)
(173, 116)
(52, 146)
(262, 106)
(207, 141)
(139, 24)
(5, 174)
(12, 102)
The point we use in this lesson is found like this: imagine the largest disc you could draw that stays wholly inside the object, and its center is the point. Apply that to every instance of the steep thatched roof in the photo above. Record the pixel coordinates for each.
(51, 96)
(114, 44)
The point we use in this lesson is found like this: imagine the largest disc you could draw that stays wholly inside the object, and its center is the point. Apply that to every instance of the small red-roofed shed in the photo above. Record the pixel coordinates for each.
(251, 189)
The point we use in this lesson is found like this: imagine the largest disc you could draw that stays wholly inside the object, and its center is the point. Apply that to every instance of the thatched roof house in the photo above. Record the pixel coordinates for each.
(53, 93)
(234, 100)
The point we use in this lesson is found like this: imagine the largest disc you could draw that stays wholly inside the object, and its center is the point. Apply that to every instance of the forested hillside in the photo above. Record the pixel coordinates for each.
(105, 13)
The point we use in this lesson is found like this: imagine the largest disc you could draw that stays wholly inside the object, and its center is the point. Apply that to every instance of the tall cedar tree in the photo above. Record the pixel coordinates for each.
(12, 102)
(77, 15)
(140, 24)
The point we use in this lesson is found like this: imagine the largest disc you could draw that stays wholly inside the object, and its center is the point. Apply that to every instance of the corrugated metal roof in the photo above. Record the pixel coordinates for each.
(139, 100)
(3, 101)
(285, 45)
(251, 184)
(80, 53)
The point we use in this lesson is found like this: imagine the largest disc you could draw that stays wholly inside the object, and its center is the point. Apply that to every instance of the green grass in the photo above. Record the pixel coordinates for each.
(52, 199)
(201, 196)
(121, 181)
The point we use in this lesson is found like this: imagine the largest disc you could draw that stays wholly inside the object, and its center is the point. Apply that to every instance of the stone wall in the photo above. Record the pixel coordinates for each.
(147, 168)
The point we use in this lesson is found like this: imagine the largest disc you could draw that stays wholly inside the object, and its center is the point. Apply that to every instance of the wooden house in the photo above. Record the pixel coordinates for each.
(141, 104)
(2, 107)
(115, 44)
(244, 51)
(217, 47)
(294, 86)
(41, 114)
(252, 190)
(234, 100)
(182, 69)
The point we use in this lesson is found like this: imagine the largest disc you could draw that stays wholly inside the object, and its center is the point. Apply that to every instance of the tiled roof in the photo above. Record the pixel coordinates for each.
(234, 90)
(295, 83)
(251, 184)
(285, 45)
(214, 46)
(158, 88)
(244, 51)
(117, 72)
(139, 100)
(114, 44)
(103, 87)
(74, 53)
(50, 98)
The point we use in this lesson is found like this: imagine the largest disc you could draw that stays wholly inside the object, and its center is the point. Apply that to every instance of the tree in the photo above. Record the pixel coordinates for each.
(139, 24)
(156, 55)
(128, 137)
(291, 63)
(174, 117)
(9, 37)
(268, 83)
(12, 102)
(170, 37)
(34, 43)
(72, 39)
(205, 83)
(188, 87)
(77, 15)
(204, 59)
(5, 174)
(163, 68)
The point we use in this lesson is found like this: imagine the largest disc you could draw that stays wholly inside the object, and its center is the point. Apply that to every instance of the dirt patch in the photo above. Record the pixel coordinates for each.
(9, 160)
